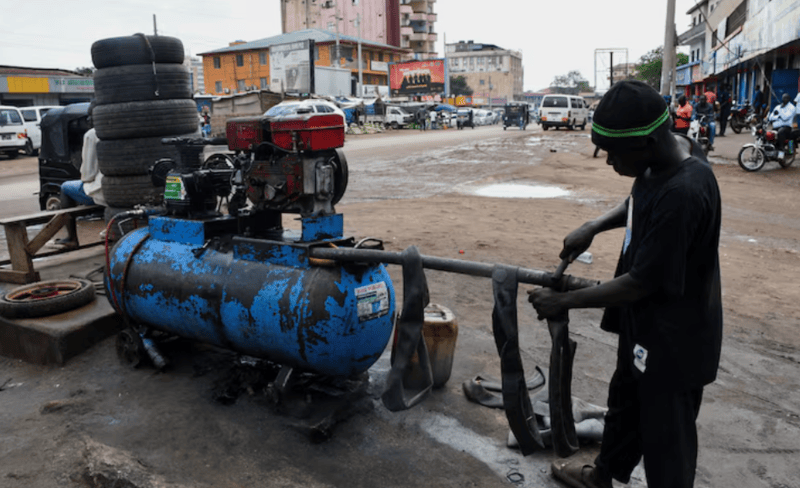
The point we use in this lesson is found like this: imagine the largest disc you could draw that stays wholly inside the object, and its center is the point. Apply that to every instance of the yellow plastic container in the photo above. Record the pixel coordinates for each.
(440, 332)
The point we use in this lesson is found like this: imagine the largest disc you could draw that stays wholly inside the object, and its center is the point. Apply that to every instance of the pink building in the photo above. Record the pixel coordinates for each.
(407, 24)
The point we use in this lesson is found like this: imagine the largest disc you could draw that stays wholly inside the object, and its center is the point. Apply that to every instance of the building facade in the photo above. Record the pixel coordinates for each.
(749, 43)
(244, 66)
(195, 66)
(494, 74)
(407, 24)
(24, 87)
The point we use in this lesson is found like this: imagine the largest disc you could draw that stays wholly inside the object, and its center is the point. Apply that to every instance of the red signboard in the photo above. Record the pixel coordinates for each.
(417, 77)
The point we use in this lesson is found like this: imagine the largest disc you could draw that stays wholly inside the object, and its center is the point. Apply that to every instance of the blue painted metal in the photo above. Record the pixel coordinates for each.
(260, 298)
(323, 227)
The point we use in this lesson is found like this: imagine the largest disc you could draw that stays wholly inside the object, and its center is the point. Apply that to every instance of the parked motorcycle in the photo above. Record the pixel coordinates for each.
(753, 157)
(741, 117)
(698, 130)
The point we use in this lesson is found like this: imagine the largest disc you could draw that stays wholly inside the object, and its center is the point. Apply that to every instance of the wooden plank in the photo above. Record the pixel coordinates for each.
(43, 217)
(19, 277)
(17, 239)
(48, 232)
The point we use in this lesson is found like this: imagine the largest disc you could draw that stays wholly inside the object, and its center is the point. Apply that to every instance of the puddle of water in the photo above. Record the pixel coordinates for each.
(513, 190)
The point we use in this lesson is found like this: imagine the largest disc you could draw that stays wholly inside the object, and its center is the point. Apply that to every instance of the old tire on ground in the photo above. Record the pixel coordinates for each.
(129, 191)
(136, 83)
(121, 226)
(132, 120)
(46, 298)
(129, 157)
(123, 51)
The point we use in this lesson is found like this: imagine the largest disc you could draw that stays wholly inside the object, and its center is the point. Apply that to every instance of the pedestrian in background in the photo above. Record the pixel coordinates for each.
(758, 102)
(683, 115)
(724, 98)
(664, 302)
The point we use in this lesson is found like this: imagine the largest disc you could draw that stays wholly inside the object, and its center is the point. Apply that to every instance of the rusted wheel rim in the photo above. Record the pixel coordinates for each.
(44, 291)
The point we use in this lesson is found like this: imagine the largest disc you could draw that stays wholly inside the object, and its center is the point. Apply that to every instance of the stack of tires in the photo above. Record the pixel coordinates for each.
(142, 94)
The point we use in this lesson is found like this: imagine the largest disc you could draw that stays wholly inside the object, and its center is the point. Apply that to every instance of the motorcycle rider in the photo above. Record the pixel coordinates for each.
(781, 119)
(683, 115)
(705, 108)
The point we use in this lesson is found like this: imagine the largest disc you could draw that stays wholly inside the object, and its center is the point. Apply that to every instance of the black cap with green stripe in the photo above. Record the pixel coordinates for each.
(627, 115)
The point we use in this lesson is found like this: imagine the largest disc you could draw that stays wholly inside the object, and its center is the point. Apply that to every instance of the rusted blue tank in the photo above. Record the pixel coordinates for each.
(259, 297)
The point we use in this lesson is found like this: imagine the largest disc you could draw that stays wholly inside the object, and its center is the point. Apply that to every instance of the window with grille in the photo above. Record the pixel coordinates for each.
(239, 60)
(217, 62)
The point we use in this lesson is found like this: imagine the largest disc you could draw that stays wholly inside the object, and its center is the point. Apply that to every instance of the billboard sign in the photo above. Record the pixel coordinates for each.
(291, 67)
(417, 77)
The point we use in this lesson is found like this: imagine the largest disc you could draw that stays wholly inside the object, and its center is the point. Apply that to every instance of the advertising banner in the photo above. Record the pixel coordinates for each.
(291, 67)
(417, 77)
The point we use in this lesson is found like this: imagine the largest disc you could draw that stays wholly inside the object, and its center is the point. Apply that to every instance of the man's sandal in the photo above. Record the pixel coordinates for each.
(576, 474)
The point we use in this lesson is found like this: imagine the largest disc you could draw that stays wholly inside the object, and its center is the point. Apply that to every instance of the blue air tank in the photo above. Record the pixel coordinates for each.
(259, 298)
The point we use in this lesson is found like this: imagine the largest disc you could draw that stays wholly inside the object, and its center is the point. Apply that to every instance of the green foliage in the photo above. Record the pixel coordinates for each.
(572, 83)
(85, 71)
(649, 67)
(458, 86)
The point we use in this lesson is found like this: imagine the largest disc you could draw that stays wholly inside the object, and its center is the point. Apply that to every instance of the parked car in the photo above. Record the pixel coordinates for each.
(465, 117)
(32, 117)
(13, 137)
(310, 106)
(563, 111)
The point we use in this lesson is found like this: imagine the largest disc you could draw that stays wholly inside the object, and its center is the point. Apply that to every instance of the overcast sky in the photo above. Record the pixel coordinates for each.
(555, 37)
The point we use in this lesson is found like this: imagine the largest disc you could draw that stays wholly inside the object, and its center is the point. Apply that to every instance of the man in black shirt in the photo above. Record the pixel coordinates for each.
(664, 301)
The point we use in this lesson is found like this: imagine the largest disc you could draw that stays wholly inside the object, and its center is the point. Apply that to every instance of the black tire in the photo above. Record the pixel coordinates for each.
(46, 298)
(130, 157)
(395, 125)
(751, 158)
(29, 150)
(136, 83)
(583, 125)
(787, 161)
(12, 154)
(129, 191)
(123, 51)
(132, 120)
(736, 126)
(545, 127)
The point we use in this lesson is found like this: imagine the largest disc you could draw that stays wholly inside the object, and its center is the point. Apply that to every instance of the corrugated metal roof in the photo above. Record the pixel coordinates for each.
(19, 70)
(317, 35)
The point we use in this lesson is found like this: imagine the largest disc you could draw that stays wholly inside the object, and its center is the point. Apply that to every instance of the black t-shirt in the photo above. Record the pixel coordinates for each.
(671, 247)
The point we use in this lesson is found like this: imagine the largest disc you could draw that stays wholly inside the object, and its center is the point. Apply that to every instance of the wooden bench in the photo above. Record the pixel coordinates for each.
(22, 251)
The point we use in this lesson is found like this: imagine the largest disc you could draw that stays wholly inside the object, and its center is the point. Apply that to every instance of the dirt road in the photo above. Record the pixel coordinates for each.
(428, 194)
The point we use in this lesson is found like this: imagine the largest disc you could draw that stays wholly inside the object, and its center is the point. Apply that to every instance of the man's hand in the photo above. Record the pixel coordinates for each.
(548, 303)
(577, 242)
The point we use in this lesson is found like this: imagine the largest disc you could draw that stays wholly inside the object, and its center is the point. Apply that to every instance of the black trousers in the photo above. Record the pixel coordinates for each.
(654, 422)
(783, 135)
(723, 119)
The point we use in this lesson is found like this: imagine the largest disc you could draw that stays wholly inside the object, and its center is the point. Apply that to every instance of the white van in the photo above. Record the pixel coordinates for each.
(32, 116)
(13, 137)
(563, 111)
(397, 117)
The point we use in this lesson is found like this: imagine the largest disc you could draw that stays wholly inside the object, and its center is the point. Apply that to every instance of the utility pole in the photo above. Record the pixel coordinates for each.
(336, 22)
(668, 59)
(360, 60)
(155, 29)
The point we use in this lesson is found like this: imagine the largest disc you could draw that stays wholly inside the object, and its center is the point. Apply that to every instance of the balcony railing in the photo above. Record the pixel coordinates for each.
(692, 34)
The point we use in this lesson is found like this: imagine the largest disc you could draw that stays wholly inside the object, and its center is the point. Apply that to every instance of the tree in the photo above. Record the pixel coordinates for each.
(572, 83)
(85, 71)
(648, 69)
(458, 86)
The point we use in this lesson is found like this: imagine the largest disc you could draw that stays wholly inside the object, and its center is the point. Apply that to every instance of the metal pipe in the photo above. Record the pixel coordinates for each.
(524, 275)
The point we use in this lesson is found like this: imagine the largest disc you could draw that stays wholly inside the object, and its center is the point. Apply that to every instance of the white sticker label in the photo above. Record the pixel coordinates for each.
(372, 301)
(640, 357)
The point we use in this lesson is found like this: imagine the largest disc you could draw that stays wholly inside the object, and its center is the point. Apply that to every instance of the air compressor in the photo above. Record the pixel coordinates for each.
(239, 280)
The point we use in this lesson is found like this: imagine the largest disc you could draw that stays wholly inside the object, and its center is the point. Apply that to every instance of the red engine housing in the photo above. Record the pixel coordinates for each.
(770, 136)
(294, 133)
